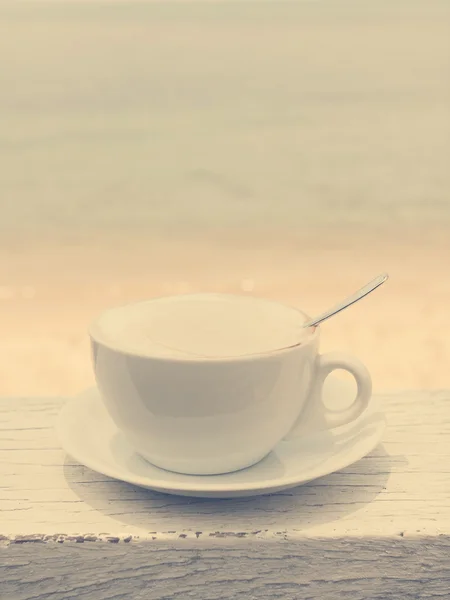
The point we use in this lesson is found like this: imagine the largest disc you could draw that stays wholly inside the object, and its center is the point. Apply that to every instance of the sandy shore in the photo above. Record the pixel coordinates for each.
(50, 291)
(137, 117)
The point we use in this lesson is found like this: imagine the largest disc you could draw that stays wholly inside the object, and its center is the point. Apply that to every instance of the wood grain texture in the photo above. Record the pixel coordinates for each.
(313, 569)
(377, 529)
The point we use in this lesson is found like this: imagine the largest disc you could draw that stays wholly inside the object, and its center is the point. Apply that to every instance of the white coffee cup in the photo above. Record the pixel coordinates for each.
(191, 412)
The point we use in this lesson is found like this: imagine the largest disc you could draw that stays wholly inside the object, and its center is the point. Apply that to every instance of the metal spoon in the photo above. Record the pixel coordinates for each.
(369, 287)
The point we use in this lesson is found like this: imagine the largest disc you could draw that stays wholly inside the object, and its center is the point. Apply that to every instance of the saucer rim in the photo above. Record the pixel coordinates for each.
(92, 395)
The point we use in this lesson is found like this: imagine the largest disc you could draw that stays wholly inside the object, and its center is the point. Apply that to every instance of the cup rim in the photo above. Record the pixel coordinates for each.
(313, 333)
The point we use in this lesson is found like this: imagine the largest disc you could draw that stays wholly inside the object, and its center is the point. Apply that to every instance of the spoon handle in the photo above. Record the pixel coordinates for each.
(369, 287)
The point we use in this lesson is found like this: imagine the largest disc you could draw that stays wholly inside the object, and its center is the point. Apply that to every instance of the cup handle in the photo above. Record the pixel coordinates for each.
(315, 415)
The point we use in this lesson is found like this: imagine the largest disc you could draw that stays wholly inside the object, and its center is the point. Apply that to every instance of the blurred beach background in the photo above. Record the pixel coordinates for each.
(292, 150)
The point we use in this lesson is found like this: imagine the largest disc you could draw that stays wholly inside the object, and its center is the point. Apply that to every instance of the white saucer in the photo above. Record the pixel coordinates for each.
(87, 433)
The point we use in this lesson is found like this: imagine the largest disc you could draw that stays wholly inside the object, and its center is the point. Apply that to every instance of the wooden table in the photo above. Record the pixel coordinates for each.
(378, 529)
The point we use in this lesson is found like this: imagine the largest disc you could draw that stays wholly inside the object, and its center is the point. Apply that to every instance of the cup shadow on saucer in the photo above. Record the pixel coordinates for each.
(325, 500)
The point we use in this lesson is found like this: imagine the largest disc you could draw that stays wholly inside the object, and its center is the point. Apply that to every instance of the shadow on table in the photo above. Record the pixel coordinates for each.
(323, 501)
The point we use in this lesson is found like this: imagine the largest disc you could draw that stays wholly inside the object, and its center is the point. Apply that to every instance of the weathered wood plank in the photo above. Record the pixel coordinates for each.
(44, 492)
(325, 569)
(378, 529)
